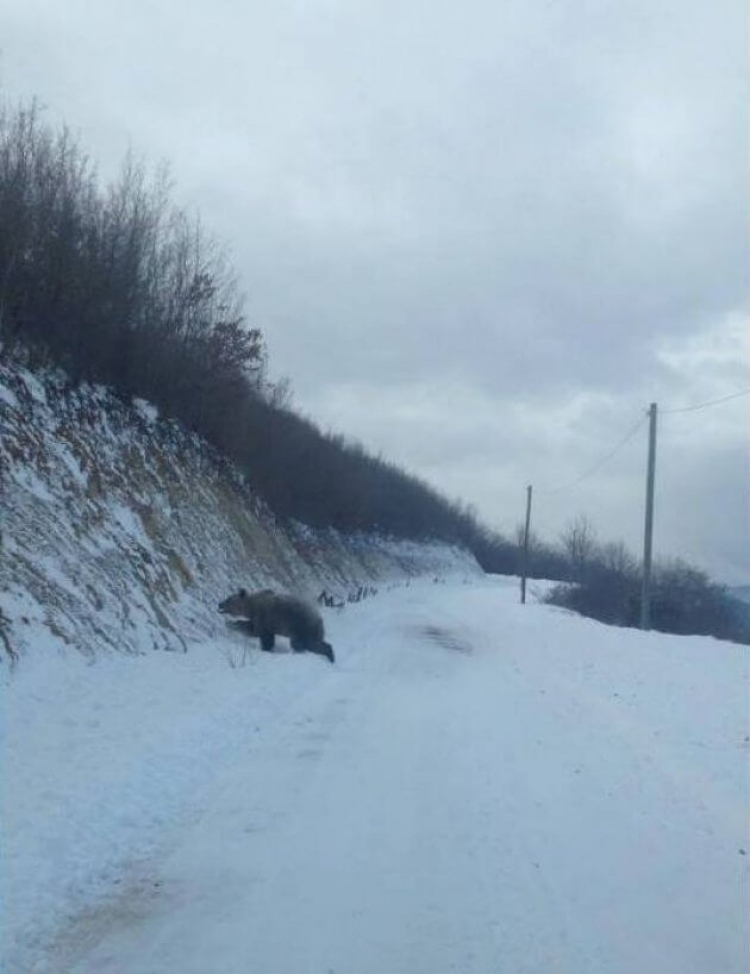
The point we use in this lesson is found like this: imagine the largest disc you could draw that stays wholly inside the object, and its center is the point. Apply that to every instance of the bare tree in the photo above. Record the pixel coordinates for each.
(616, 558)
(579, 542)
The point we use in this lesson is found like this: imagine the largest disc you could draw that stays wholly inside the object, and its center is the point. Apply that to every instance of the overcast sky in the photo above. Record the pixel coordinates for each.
(480, 237)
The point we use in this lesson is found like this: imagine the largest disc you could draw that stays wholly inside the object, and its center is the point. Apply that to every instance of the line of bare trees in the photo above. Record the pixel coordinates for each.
(117, 285)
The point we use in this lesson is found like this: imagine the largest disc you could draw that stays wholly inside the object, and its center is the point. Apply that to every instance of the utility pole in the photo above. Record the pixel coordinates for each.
(649, 530)
(525, 566)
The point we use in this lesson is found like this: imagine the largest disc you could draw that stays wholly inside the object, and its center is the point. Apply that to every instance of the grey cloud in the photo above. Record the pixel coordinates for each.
(503, 209)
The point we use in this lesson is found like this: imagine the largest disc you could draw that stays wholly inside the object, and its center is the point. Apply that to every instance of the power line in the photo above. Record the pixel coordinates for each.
(589, 473)
(631, 433)
(704, 405)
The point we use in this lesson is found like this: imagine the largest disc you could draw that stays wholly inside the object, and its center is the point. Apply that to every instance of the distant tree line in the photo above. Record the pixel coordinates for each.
(117, 285)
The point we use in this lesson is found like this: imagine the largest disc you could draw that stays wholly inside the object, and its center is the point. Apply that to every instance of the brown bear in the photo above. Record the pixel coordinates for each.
(266, 614)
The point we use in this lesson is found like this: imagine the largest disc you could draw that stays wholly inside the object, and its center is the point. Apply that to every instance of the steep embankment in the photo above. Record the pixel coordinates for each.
(122, 531)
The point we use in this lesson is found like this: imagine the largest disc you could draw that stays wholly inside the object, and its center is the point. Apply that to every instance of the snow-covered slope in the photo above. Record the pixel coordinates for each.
(122, 531)
(475, 787)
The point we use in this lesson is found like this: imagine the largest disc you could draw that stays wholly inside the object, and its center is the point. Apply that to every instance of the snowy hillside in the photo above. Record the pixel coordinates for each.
(476, 786)
(120, 531)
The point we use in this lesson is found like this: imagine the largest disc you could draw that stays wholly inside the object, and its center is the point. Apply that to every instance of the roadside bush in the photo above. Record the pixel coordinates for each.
(683, 599)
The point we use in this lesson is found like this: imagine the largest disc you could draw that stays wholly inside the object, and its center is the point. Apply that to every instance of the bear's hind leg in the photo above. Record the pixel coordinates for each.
(323, 648)
(267, 640)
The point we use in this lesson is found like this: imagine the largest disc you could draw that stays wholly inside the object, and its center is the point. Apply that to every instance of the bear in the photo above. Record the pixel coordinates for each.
(266, 614)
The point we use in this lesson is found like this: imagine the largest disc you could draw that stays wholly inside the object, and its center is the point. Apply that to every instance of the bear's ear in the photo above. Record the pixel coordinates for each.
(243, 593)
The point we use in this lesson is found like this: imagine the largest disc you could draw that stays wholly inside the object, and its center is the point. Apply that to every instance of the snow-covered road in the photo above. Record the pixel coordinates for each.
(474, 787)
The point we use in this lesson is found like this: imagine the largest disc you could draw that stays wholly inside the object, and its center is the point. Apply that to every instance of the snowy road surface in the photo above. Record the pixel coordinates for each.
(474, 787)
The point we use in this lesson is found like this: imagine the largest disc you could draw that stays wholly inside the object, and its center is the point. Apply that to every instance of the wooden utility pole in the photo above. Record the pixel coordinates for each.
(525, 567)
(649, 530)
